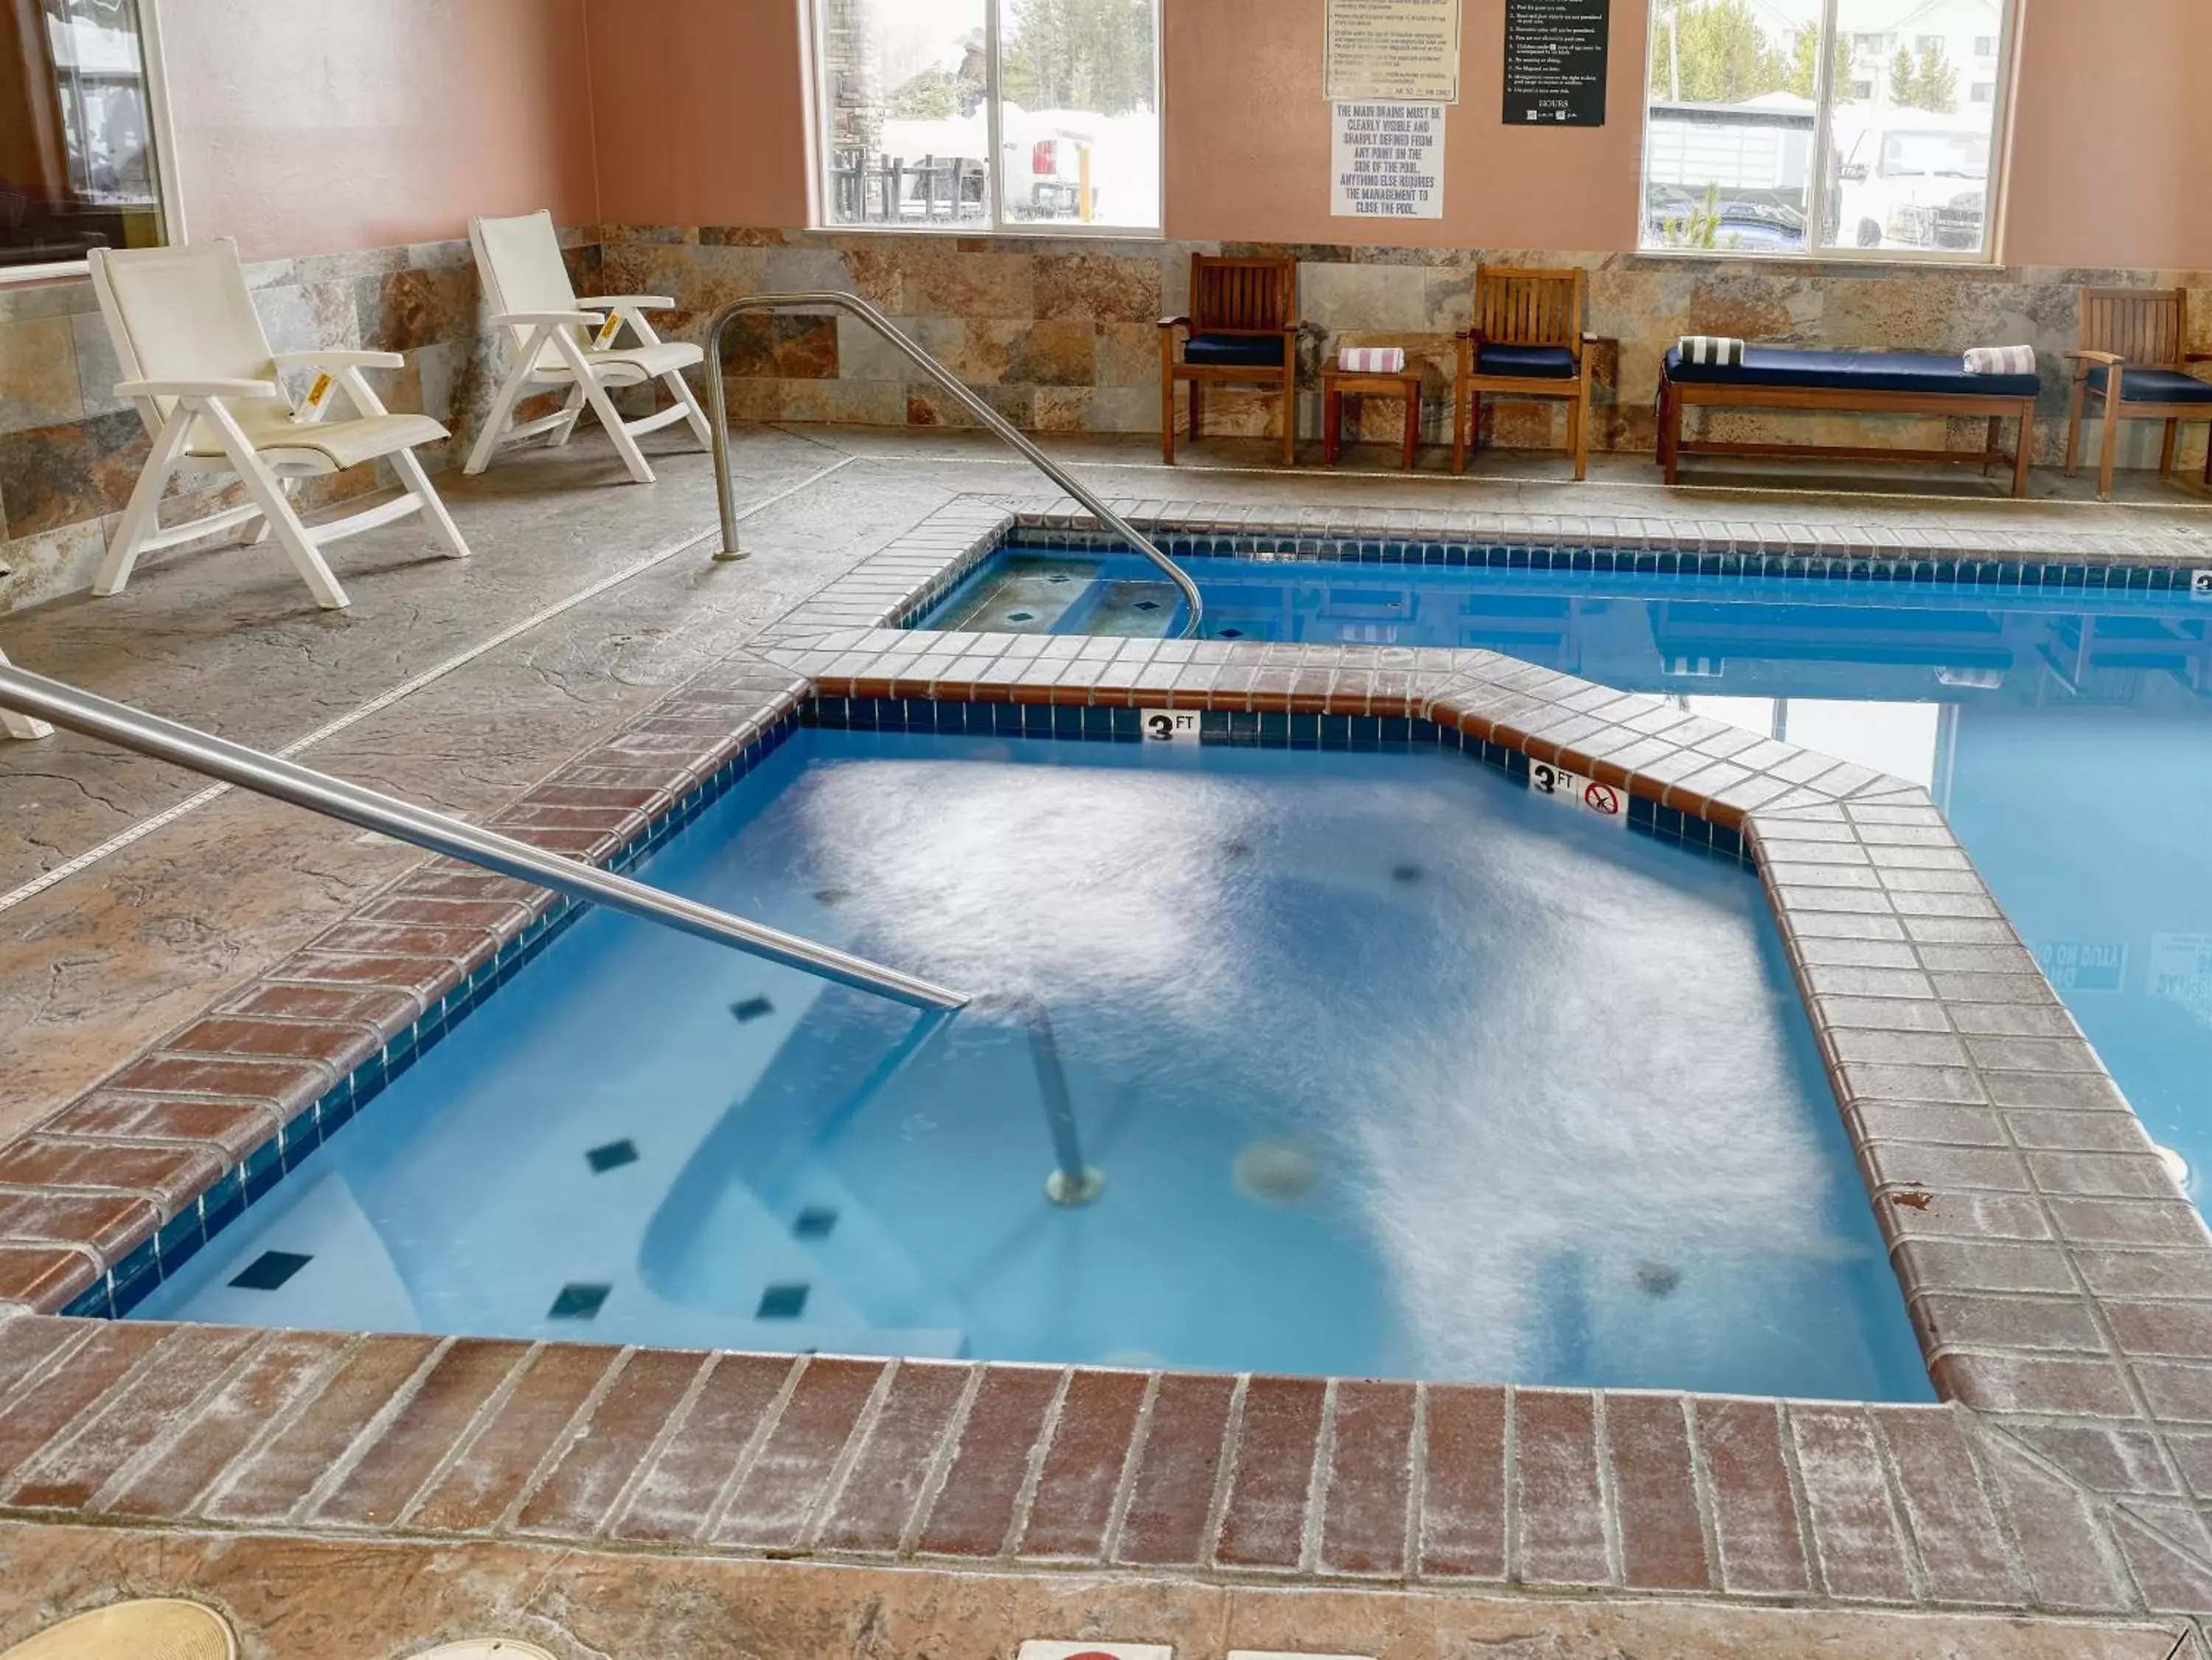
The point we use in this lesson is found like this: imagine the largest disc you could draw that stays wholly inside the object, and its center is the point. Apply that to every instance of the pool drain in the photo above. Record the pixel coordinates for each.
(1276, 1173)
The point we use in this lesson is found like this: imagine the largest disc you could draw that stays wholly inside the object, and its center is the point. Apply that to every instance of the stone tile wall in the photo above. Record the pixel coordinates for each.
(70, 451)
(1061, 335)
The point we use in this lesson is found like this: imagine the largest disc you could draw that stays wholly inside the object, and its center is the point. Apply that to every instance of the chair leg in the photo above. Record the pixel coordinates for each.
(1993, 446)
(618, 431)
(1167, 399)
(2074, 426)
(1413, 428)
(1197, 393)
(1458, 427)
(142, 513)
(2025, 451)
(448, 534)
(2166, 452)
(1290, 420)
(1332, 426)
(502, 409)
(702, 428)
(1578, 436)
(2111, 456)
(22, 726)
(574, 411)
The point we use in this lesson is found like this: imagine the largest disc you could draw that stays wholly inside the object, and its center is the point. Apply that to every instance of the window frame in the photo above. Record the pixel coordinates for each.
(1824, 144)
(821, 106)
(161, 133)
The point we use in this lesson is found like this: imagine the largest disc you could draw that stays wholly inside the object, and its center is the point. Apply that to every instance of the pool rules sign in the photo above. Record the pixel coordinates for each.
(1388, 162)
(1555, 61)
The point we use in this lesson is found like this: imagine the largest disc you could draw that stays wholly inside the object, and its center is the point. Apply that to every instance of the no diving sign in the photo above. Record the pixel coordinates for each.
(1607, 801)
(2200, 584)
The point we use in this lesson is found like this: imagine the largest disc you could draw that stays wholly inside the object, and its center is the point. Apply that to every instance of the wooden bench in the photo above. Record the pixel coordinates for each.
(1857, 383)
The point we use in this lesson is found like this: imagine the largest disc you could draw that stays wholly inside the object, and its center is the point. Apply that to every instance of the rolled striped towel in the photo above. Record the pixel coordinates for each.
(1373, 359)
(1724, 350)
(2001, 360)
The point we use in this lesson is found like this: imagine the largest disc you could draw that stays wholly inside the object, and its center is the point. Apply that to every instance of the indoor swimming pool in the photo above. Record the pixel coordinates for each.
(2067, 734)
(1380, 1064)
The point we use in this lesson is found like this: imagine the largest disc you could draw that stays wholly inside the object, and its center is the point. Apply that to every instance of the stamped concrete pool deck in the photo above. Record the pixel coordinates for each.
(2059, 1287)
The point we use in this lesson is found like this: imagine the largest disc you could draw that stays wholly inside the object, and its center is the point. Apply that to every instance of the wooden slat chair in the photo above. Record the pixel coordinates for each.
(2135, 358)
(1242, 330)
(1526, 343)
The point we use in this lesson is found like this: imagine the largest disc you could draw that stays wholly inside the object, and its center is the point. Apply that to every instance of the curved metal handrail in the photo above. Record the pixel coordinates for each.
(725, 495)
(319, 792)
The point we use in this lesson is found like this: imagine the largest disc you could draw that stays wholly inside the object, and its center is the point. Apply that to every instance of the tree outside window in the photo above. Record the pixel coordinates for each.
(927, 129)
(1752, 149)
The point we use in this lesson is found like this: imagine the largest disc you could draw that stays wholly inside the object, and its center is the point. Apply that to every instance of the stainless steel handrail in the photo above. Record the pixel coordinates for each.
(718, 407)
(319, 792)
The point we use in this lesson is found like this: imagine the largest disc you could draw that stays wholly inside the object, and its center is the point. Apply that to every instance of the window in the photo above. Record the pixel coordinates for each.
(77, 119)
(1796, 127)
(945, 114)
(1986, 45)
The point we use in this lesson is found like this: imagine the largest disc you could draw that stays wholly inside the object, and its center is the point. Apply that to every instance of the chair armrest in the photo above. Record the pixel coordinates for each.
(195, 389)
(1174, 323)
(2196, 357)
(336, 359)
(628, 302)
(1475, 334)
(2111, 360)
(548, 319)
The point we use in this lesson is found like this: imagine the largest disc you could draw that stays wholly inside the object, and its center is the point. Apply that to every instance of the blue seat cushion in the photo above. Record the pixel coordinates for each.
(1243, 351)
(1529, 362)
(1850, 372)
(2154, 385)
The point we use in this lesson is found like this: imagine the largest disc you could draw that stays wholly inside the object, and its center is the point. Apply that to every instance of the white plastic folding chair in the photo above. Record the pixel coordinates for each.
(560, 341)
(20, 726)
(197, 364)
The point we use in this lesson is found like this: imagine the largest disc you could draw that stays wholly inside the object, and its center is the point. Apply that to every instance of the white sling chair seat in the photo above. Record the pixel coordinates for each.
(329, 447)
(197, 366)
(562, 340)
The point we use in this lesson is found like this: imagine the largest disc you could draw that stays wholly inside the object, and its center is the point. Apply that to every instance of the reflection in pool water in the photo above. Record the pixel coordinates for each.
(2068, 736)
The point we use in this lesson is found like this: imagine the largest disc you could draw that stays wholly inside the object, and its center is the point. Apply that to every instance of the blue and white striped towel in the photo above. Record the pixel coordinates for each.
(2001, 360)
(1724, 350)
(1373, 359)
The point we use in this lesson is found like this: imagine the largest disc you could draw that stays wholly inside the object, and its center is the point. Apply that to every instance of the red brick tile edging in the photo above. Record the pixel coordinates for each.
(2056, 1278)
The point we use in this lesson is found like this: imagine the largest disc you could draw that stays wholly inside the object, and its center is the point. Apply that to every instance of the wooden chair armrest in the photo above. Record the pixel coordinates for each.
(1475, 334)
(1174, 323)
(2110, 359)
(2196, 357)
(1597, 340)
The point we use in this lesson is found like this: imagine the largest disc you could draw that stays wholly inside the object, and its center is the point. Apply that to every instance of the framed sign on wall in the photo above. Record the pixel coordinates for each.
(1393, 51)
(1556, 53)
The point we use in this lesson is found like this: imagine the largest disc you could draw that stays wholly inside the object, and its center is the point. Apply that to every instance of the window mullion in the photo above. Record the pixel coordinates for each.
(994, 163)
(1824, 133)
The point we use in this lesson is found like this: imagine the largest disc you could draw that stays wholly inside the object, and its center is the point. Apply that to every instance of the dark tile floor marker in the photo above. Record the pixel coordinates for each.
(578, 1301)
(271, 1270)
(753, 1009)
(782, 1302)
(612, 1156)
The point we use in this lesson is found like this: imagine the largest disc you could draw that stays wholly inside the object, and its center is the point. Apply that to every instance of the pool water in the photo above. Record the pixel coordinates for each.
(2068, 736)
(1387, 1066)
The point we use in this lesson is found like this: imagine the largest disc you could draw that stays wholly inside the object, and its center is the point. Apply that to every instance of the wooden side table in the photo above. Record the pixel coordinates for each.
(1337, 384)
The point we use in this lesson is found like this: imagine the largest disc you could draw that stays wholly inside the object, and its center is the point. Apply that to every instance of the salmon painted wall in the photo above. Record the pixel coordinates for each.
(1247, 138)
(699, 110)
(318, 126)
(701, 120)
(2111, 152)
